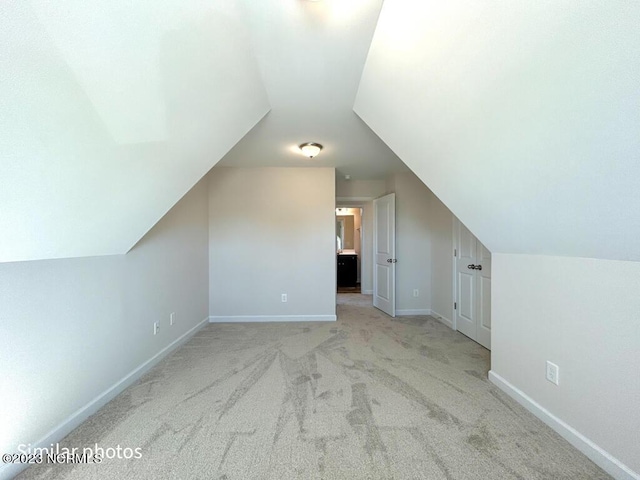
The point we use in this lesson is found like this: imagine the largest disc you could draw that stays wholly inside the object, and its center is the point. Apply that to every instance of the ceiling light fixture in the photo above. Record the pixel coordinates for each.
(310, 149)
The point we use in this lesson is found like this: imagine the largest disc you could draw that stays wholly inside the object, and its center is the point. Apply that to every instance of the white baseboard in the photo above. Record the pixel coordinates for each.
(443, 319)
(406, 313)
(596, 454)
(367, 292)
(271, 318)
(9, 471)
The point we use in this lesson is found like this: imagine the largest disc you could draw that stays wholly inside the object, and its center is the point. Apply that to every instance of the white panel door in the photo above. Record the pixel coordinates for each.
(465, 281)
(384, 253)
(473, 287)
(484, 296)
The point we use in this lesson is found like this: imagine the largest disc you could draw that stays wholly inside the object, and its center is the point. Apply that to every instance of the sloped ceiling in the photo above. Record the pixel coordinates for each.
(311, 56)
(523, 117)
(110, 112)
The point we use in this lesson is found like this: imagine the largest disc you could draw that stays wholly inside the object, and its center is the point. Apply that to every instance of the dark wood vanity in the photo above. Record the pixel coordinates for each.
(347, 270)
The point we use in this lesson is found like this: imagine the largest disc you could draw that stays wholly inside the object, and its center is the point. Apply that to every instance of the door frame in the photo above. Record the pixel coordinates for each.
(454, 273)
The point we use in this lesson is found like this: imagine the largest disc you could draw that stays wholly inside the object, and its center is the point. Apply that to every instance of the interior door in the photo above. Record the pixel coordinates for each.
(465, 282)
(473, 287)
(384, 252)
(484, 296)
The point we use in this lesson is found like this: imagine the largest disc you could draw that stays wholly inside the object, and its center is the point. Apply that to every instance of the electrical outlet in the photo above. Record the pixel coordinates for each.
(553, 373)
(416, 292)
(172, 318)
(284, 298)
(156, 327)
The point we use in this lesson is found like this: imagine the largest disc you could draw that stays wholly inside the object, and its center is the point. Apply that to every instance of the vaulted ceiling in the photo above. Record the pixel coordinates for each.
(110, 111)
(311, 56)
(522, 117)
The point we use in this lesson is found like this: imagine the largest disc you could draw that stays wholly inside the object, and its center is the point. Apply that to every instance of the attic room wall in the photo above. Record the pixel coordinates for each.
(272, 231)
(581, 314)
(424, 230)
(73, 328)
(413, 243)
(441, 229)
(358, 189)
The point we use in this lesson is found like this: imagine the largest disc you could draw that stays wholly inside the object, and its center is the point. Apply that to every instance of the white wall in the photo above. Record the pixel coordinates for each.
(272, 231)
(71, 329)
(583, 315)
(107, 123)
(441, 231)
(360, 189)
(413, 243)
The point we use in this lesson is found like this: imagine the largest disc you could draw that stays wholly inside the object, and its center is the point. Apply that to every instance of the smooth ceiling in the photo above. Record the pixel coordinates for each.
(311, 56)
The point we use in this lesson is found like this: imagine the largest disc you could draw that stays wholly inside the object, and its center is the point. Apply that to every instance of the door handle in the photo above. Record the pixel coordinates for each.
(478, 267)
(471, 267)
(392, 260)
(389, 260)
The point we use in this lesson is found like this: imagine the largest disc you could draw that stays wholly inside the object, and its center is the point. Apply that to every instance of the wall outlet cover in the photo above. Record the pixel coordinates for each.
(553, 373)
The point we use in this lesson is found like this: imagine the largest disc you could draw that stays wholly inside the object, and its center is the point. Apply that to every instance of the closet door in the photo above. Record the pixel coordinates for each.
(473, 287)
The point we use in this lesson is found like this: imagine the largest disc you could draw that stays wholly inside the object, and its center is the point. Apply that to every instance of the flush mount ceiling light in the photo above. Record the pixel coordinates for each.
(310, 149)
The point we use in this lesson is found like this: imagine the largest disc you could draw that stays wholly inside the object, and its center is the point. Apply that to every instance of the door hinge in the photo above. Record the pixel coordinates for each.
(455, 306)
(455, 252)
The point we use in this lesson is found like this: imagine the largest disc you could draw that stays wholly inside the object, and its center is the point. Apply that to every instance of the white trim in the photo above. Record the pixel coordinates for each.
(271, 318)
(598, 455)
(442, 319)
(366, 292)
(405, 313)
(9, 471)
(454, 312)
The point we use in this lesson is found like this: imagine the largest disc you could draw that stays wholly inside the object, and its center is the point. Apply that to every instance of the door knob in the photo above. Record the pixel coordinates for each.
(389, 260)
(471, 267)
(478, 267)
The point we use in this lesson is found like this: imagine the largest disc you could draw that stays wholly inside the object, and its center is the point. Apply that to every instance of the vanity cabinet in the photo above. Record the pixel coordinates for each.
(347, 270)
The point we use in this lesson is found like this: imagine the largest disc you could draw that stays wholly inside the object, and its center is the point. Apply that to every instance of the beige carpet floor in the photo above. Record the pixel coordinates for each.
(367, 397)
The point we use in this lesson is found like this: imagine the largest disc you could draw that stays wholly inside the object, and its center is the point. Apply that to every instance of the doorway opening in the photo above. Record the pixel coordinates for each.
(349, 246)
